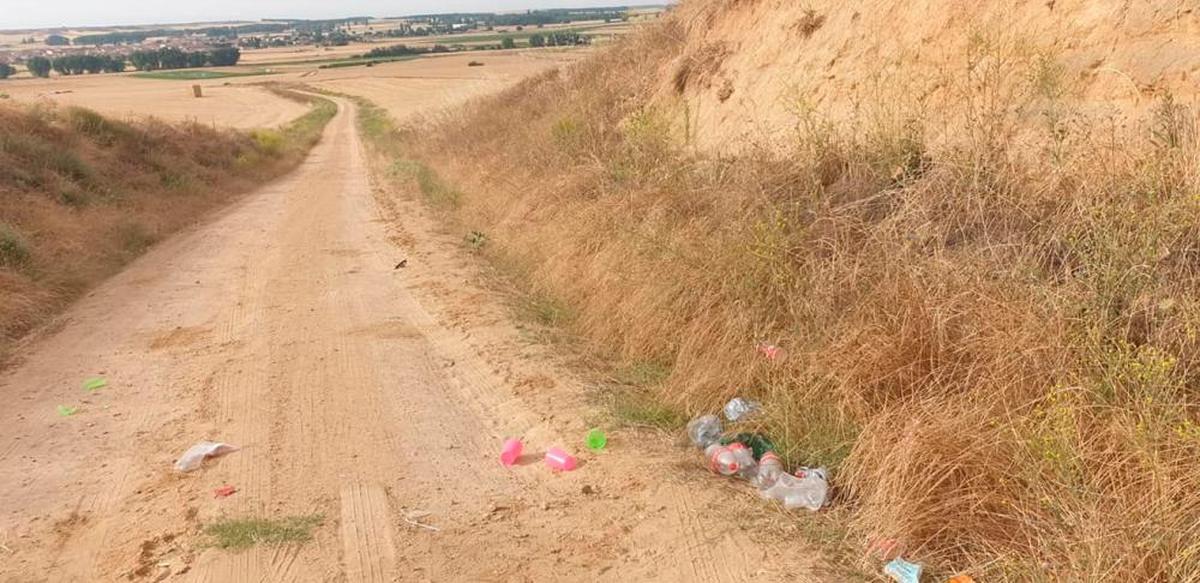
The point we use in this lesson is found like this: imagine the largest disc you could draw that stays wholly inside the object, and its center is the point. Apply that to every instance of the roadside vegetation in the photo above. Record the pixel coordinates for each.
(83, 194)
(991, 339)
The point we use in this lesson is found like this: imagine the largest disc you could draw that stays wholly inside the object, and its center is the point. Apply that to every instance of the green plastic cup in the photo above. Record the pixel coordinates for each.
(596, 439)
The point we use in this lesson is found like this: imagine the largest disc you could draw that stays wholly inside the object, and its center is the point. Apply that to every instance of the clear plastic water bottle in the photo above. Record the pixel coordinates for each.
(770, 467)
(739, 408)
(704, 431)
(732, 459)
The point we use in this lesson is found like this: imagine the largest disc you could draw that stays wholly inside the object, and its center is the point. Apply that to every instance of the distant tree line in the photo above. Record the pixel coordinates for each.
(567, 38)
(7, 70)
(148, 60)
(394, 51)
(138, 36)
(173, 58)
(80, 64)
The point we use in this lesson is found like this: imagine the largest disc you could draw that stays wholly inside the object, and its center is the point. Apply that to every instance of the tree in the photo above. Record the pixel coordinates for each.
(39, 66)
(197, 59)
(537, 40)
(508, 43)
(6, 70)
(114, 64)
(61, 65)
(57, 40)
(172, 58)
(224, 56)
(144, 60)
(92, 63)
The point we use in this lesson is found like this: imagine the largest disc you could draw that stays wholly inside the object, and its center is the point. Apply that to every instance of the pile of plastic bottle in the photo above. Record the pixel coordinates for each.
(752, 458)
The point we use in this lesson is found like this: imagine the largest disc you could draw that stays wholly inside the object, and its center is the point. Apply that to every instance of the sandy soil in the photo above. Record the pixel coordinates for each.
(364, 393)
(122, 96)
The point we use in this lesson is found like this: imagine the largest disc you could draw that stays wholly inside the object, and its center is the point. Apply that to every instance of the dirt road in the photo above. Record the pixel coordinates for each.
(372, 396)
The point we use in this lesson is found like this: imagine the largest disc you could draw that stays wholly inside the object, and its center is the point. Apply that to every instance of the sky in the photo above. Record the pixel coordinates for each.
(19, 14)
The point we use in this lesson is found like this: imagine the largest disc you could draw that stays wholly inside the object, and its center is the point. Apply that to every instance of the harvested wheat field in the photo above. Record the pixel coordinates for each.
(438, 83)
(127, 97)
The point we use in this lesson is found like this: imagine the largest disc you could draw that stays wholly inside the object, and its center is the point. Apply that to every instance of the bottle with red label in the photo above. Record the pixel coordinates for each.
(729, 460)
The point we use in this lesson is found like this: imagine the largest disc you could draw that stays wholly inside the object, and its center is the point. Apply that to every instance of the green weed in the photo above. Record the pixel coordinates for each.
(243, 533)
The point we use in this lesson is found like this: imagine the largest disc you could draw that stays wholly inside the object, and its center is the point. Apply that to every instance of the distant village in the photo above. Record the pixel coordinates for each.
(284, 33)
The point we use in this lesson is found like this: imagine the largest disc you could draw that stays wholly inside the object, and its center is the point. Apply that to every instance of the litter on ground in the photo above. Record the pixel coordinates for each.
(95, 384)
(595, 439)
(771, 351)
(194, 457)
(224, 491)
(560, 460)
(510, 451)
(738, 408)
(903, 571)
(66, 411)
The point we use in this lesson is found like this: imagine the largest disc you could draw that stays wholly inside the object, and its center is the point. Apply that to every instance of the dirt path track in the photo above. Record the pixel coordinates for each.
(368, 395)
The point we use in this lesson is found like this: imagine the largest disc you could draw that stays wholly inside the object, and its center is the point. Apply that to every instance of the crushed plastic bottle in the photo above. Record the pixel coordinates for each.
(808, 489)
(770, 467)
(704, 430)
(732, 459)
(903, 571)
(739, 408)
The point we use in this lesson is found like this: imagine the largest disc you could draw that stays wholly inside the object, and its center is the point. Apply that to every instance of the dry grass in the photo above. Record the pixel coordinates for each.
(83, 195)
(992, 337)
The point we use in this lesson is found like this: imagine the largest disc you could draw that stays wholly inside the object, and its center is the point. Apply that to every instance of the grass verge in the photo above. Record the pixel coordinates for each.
(990, 337)
(84, 195)
(243, 533)
(198, 74)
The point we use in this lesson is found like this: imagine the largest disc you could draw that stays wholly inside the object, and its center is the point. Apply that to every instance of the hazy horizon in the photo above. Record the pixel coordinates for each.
(39, 14)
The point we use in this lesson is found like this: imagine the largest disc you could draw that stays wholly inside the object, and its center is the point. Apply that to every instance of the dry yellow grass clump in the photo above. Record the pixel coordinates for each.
(82, 194)
(992, 336)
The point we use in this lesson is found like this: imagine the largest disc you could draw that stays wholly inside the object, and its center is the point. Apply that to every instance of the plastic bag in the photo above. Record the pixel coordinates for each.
(194, 457)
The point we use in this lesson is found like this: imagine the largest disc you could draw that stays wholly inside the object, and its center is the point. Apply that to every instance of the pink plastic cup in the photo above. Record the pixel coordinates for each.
(511, 451)
(560, 460)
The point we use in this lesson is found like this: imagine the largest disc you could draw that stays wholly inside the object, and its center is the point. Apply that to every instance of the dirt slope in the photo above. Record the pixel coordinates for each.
(751, 65)
(357, 391)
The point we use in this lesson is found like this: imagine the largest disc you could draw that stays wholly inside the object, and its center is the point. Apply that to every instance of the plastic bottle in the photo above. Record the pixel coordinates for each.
(731, 459)
(808, 489)
(770, 467)
(739, 408)
(704, 430)
(560, 460)
(510, 451)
